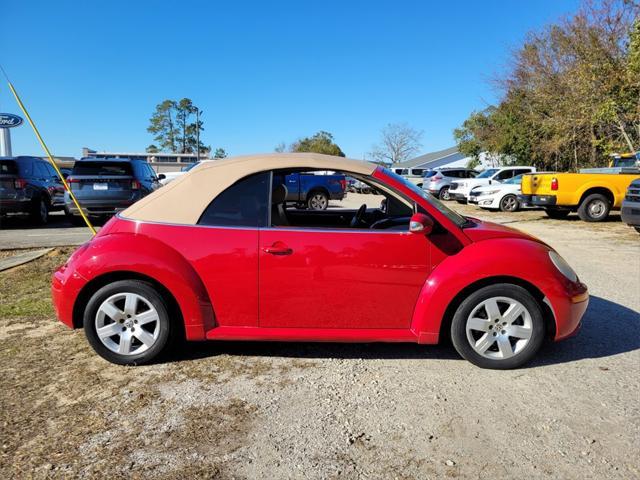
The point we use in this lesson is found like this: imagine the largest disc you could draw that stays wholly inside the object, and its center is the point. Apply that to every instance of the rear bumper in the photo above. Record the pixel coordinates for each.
(630, 213)
(22, 205)
(99, 208)
(538, 200)
(65, 287)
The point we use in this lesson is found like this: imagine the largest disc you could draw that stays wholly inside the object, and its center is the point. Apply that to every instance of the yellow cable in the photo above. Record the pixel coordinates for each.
(53, 163)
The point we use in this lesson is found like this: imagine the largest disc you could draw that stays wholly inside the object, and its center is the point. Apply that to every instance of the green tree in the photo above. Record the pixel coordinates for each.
(176, 127)
(163, 126)
(571, 95)
(152, 149)
(321, 142)
(220, 153)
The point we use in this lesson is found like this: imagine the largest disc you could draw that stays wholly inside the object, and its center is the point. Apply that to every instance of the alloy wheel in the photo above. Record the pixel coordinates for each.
(127, 323)
(499, 328)
(318, 201)
(444, 194)
(509, 203)
(597, 208)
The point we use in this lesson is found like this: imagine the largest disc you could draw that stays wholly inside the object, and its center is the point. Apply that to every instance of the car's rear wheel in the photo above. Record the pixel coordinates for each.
(127, 322)
(499, 326)
(509, 203)
(318, 201)
(556, 213)
(444, 194)
(594, 208)
(39, 211)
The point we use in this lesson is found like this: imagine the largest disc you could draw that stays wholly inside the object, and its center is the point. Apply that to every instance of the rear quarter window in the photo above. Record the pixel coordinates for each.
(102, 168)
(8, 167)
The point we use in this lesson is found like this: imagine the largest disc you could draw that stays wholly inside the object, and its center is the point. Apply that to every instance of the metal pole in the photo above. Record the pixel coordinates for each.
(197, 134)
(5, 142)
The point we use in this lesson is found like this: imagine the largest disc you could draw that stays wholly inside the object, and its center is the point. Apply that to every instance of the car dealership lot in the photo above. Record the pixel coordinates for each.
(276, 410)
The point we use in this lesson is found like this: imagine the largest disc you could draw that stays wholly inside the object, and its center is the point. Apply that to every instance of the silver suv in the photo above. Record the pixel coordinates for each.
(437, 182)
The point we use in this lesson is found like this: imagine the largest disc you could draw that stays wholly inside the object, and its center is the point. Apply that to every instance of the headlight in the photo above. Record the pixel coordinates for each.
(490, 192)
(562, 266)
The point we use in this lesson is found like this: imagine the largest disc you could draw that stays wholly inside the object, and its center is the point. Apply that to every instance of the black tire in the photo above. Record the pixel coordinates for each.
(318, 200)
(503, 290)
(637, 229)
(443, 194)
(509, 203)
(39, 213)
(557, 213)
(461, 201)
(594, 208)
(166, 333)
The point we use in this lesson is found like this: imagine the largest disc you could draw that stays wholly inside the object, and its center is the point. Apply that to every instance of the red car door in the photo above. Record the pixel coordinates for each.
(351, 278)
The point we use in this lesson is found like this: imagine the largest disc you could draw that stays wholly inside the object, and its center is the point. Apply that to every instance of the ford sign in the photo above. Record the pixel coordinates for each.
(9, 120)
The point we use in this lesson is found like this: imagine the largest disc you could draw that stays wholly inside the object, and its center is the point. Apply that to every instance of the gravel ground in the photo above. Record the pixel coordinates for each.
(277, 410)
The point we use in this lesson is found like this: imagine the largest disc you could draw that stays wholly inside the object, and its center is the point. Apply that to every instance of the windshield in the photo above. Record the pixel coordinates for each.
(433, 201)
(517, 180)
(187, 168)
(487, 173)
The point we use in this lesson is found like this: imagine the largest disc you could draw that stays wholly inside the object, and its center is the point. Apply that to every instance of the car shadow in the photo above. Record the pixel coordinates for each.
(596, 339)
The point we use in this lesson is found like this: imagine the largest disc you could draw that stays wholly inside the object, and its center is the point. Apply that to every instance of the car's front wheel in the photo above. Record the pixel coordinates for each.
(499, 326)
(127, 322)
(509, 203)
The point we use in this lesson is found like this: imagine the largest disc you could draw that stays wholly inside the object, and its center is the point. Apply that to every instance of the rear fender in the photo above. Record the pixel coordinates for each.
(525, 261)
(123, 252)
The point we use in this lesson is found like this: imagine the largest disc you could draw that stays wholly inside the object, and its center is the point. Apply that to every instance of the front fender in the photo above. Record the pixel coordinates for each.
(125, 252)
(518, 258)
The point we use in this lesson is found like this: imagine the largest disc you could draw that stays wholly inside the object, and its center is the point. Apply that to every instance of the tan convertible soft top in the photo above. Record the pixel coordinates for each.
(184, 199)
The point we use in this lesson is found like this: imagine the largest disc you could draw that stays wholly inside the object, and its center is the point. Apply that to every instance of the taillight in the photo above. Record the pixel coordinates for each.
(435, 178)
(343, 184)
(135, 185)
(19, 183)
(554, 183)
(72, 180)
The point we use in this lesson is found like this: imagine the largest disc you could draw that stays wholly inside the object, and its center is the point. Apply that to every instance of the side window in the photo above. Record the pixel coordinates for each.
(471, 174)
(520, 171)
(26, 167)
(243, 204)
(41, 170)
(51, 170)
(504, 175)
(151, 173)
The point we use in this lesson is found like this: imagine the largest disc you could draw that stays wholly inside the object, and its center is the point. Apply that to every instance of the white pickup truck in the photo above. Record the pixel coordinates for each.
(461, 189)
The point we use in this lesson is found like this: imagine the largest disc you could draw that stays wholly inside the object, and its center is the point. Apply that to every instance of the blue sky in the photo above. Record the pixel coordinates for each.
(264, 72)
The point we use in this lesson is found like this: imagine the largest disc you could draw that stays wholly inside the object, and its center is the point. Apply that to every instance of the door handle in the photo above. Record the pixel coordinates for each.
(278, 248)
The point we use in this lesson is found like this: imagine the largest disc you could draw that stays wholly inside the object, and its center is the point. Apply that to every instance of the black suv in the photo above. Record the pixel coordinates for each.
(29, 185)
(104, 187)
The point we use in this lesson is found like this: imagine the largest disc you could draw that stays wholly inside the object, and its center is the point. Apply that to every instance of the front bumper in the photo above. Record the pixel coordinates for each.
(485, 201)
(630, 213)
(457, 196)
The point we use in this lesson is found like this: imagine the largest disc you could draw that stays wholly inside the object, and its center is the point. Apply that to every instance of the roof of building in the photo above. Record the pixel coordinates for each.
(183, 200)
(431, 160)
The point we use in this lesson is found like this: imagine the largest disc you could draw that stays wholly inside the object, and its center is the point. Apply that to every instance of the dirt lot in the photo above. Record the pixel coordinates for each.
(275, 410)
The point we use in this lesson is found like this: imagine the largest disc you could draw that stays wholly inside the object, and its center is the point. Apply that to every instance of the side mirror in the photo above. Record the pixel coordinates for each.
(420, 223)
(162, 176)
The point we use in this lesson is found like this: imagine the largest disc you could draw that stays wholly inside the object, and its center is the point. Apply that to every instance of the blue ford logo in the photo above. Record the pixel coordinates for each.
(9, 120)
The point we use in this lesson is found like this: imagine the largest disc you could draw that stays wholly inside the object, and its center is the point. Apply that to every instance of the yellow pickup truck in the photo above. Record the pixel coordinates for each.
(592, 195)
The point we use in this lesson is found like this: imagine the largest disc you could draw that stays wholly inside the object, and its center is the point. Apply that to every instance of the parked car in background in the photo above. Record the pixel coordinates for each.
(313, 190)
(631, 206)
(104, 187)
(498, 196)
(592, 195)
(414, 175)
(461, 189)
(438, 182)
(231, 262)
(170, 176)
(29, 185)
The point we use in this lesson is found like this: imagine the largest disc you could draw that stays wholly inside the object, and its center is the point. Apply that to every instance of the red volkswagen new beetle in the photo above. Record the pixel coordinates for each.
(221, 254)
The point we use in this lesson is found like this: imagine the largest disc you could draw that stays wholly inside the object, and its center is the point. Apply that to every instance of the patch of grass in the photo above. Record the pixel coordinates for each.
(26, 289)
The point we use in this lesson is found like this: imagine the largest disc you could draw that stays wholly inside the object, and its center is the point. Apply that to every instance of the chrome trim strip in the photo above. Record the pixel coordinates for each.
(283, 229)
